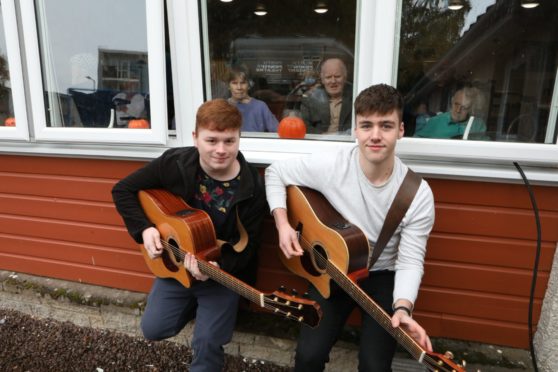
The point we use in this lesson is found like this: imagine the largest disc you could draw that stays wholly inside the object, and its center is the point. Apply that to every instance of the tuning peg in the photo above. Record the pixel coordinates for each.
(448, 354)
(282, 289)
(294, 292)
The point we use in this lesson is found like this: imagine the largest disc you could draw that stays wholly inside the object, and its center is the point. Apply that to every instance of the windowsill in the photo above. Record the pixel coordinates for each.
(470, 160)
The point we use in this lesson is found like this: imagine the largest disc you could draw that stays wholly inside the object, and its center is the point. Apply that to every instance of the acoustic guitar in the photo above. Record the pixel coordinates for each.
(337, 250)
(186, 229)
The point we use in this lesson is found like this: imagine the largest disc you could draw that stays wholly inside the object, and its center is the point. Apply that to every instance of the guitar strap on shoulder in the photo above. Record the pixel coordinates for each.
(241, 244)
(396, 212)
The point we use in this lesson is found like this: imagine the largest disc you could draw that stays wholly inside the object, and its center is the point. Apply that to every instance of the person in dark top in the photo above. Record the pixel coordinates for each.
(327, 108)
(212, 176)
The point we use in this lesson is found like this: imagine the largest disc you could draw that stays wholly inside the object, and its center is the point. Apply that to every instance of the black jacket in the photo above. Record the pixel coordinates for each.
(175, 171)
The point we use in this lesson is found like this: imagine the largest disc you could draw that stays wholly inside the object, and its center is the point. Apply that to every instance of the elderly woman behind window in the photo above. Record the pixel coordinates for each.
(256, 116)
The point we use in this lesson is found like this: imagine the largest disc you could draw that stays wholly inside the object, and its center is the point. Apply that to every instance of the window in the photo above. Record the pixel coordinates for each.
(484, 72)
(13, 118)
(92, 62)
(7, 117)
(297, 57)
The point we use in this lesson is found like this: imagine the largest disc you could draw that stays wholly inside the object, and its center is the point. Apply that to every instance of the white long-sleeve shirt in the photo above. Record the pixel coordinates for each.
(338, 176)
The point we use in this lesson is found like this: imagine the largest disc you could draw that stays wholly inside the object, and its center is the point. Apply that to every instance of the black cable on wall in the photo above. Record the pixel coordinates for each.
(536, 265)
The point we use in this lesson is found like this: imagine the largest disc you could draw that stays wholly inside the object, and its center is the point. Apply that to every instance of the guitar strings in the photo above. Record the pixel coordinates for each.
(250, 293)
(342, 279)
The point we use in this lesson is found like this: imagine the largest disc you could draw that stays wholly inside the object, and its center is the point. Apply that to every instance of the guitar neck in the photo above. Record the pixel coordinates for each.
(375, 311)
(232, 283)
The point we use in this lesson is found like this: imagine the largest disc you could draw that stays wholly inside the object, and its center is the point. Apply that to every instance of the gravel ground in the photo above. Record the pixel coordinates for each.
(35, 345)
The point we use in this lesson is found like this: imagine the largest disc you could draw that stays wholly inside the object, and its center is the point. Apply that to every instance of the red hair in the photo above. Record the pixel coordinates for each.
(219, 115)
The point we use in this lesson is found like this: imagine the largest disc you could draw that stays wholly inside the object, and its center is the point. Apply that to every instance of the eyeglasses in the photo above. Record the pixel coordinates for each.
(458, 106)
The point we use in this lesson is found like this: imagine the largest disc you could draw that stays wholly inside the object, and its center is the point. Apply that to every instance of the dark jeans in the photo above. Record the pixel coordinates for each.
(170, 306)
(377, 347)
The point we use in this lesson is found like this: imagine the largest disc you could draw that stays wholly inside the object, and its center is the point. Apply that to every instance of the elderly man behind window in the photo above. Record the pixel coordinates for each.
(459, 122)
(326, 109)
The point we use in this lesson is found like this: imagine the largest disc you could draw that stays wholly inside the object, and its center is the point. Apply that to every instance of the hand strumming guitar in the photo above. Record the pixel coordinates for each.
(288, 237)
(152, 242)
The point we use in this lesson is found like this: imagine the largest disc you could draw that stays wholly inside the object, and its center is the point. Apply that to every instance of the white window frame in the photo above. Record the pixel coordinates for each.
(480, 159)
(156, 135)
(186, 59)
(376, 57)
(376, 60)
(21, 131)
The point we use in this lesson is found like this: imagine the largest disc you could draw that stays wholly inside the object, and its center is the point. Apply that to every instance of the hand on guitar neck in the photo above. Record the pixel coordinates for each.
(402, 319)
(191, 264)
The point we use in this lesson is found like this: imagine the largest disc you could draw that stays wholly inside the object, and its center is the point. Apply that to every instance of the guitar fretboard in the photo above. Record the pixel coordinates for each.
(235, 285)
(374, 310)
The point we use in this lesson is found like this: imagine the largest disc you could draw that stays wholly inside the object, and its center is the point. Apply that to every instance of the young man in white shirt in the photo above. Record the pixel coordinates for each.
(361, 182)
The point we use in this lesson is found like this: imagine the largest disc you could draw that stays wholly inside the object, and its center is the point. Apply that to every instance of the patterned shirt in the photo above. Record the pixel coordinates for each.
(215, 197)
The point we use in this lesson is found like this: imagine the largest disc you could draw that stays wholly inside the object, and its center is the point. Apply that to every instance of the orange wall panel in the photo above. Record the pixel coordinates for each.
(503, 252)
(472, 304)
(133, 281)
(57, 220)
(56, 208)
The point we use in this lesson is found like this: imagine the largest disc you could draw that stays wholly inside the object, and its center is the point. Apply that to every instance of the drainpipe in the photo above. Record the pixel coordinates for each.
(546, 336)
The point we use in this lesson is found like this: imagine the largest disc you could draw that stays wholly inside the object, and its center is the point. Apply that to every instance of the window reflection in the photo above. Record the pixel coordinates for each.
(282, 53)
(6, 106)
(94, 62)
(484, 72)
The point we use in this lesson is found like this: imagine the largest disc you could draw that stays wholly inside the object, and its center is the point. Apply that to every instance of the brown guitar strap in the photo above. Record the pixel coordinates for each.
(396, 212)
(241, 244)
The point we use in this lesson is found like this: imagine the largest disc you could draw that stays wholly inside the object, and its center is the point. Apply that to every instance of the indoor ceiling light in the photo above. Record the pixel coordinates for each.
(260, 10)
(455, 4)
(226, 1)
(321, 7)
(528, 4)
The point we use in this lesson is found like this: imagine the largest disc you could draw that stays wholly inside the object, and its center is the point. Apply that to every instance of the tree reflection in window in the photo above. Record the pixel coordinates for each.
(507, 53)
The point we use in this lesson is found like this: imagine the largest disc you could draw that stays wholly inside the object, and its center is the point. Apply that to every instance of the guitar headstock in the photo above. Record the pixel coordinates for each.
(295, 308)
(439, 362)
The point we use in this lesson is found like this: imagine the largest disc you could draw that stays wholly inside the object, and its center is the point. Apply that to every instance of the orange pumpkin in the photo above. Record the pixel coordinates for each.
(138, 124)
(291, 127)
(9, 122)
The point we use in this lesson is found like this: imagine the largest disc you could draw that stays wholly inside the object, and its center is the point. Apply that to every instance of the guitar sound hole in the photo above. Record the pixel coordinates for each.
(170, 256)
(320, 257)
(315, 262)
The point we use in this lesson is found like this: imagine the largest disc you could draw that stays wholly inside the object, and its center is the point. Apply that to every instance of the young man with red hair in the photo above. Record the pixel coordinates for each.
(212, 176)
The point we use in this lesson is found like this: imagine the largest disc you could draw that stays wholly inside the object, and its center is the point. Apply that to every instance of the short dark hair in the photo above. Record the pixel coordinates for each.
(381, 99)
(218, 114)
(237, 73)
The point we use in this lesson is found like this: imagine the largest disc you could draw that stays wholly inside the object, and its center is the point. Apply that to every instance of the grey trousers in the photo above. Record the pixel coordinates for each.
(170, 306)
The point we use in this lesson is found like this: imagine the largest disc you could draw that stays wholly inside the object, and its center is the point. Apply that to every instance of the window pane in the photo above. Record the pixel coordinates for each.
(484, 72)
(6, 106)
(270, 64)
(94, 62)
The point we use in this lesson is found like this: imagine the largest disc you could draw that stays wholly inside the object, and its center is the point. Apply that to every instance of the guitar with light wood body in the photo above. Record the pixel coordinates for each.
(335, 249)
(186, 229)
